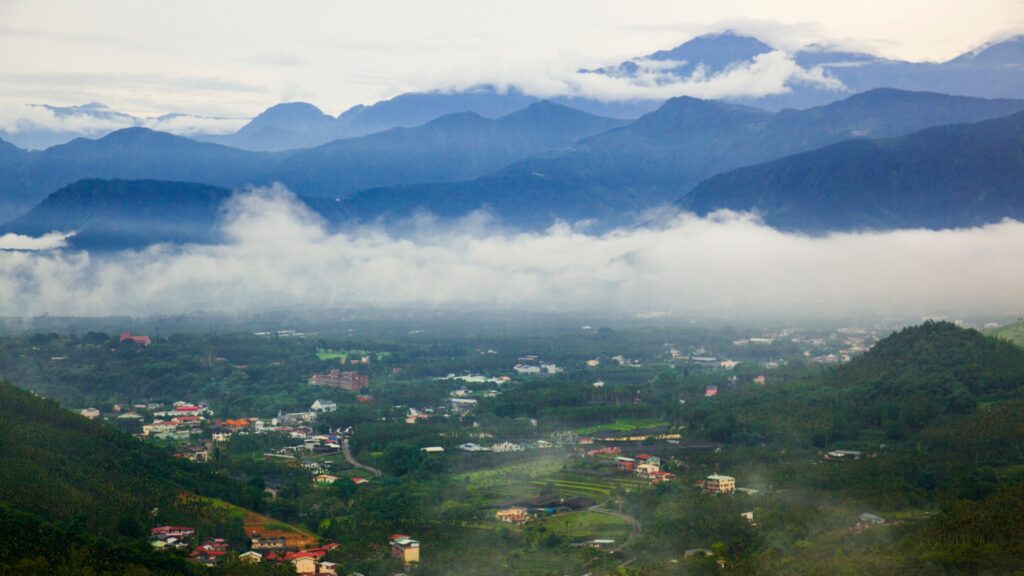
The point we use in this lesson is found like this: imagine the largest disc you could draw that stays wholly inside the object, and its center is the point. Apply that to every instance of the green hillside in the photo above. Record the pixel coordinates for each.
(1013, 332)
(78, 497)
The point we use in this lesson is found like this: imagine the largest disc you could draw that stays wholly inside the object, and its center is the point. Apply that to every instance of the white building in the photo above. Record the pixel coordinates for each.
(506, 447)
(323, 406)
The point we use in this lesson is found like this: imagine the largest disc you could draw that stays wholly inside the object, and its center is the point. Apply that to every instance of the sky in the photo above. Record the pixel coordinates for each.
(234, 59)
(277, 254)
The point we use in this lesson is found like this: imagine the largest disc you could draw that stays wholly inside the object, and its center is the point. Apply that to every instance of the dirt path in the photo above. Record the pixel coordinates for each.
(637, 528)
(348, 458)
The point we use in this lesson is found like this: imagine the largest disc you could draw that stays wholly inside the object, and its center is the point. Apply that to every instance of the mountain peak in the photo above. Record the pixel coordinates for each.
(715, 50)
(1009, 52)
(545, 108)
(292, 112)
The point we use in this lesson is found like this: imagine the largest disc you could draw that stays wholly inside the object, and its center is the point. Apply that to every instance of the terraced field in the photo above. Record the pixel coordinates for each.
(565, 484)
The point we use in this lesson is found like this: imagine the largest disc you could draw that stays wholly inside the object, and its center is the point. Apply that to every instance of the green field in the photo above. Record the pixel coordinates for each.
(623, 425)
(343, 355)
(587, 525)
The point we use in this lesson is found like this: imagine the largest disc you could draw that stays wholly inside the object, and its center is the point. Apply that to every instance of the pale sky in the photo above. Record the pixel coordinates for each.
(237, 58)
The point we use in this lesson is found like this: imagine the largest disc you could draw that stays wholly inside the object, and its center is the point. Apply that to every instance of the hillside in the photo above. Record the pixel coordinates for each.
(69, 483)
(662, 155)
(132, 214)
(1012, 332)
(945, 177)
(924, 371)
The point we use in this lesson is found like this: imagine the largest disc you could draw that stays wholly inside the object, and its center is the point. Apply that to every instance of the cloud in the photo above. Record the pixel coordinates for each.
(278, 253)
(96, 120)
(50, 241)
(767, 74)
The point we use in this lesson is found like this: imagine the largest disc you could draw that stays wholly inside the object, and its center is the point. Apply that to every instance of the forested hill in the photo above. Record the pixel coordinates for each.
(68, 484)
(60, 465)
(924, 371)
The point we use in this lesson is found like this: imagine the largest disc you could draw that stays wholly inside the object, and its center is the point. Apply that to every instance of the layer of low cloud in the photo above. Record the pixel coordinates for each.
(94, 120)
(278, 254)
(51, 241)
(771, 73)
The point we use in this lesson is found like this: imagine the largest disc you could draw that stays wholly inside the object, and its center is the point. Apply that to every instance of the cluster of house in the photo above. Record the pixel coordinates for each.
(181, 421)
(272, 548)
(311, 443)
(504, 447)
(171, 537)
(209, 553)
(531, 365)
(644, 466)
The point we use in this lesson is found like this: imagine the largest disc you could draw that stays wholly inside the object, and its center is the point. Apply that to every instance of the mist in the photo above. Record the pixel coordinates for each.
(278, 253)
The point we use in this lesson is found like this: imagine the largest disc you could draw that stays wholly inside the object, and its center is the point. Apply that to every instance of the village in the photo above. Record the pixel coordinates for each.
(568, 481)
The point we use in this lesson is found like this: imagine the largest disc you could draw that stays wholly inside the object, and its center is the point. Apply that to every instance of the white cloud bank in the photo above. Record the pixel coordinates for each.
(279, 254)
(771, 73)
(51, 241)
(94, 120)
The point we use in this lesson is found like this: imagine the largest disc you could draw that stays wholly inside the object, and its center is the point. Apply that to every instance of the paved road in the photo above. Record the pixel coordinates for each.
(348, 458)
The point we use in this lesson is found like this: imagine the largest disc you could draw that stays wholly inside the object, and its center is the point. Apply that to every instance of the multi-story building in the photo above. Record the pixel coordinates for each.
(346, 380)
(719, 484)
(404, 548)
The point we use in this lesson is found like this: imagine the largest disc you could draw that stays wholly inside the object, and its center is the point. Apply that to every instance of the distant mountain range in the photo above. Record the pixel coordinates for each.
(615, 176)
(993, 71)
(830, 178)
(48, 126)
(453, 147)
(943, 177)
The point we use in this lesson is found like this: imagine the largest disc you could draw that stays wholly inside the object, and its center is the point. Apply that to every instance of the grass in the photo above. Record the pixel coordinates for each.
(623, 425)
(264, 524)
(587, 525)
(1013, 332)
(343, 355)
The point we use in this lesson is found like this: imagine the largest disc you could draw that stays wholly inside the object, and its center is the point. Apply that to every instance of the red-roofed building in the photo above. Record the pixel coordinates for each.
(140, 340)
(177, 531)
(661, 476)
(307, 561)
(206, 556)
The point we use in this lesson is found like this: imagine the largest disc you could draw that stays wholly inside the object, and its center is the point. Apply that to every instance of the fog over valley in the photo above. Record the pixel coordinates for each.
(277, 253)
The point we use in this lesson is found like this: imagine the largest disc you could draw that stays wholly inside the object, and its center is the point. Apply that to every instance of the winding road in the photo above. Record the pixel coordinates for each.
(636, 527)
(348, 458)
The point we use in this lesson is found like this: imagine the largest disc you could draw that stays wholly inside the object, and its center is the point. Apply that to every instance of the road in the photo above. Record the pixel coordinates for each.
(348, 458)
(637, 528)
